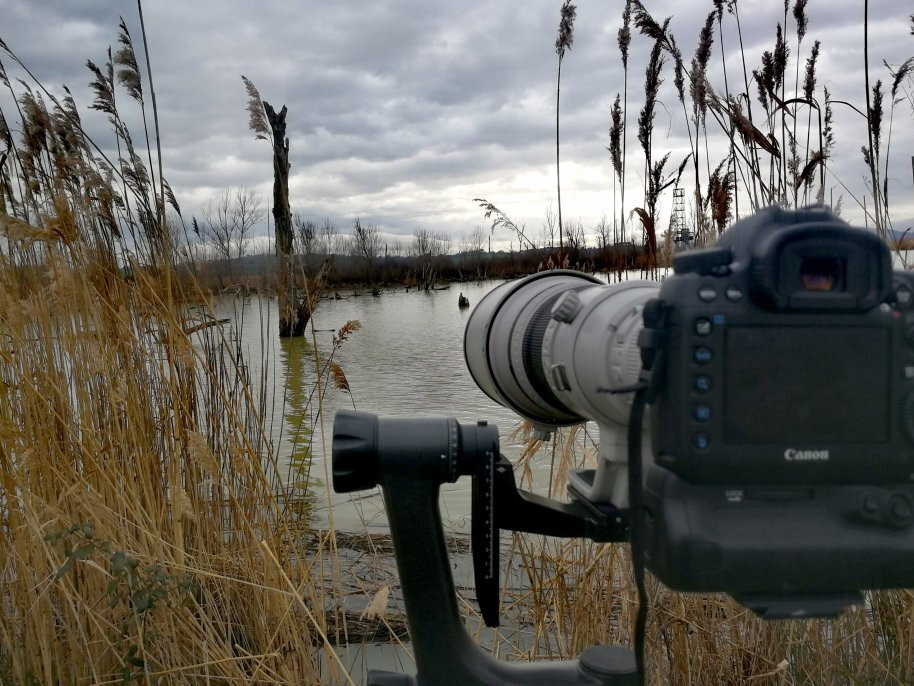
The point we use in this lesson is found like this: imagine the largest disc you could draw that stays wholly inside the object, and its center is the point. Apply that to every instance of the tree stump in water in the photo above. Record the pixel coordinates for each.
(294, 312)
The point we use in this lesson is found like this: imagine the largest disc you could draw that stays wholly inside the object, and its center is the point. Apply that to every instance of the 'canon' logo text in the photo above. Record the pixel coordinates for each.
(794, 455)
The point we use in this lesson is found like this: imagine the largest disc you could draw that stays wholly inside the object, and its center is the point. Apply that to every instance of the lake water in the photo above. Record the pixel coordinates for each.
(406, 360)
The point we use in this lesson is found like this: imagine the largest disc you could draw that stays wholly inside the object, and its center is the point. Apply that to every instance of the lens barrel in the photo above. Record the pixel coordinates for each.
(500, 344)
(527, 338)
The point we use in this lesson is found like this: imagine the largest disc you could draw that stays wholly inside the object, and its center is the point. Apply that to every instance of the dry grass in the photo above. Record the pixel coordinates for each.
(146, 533)
(141, 535)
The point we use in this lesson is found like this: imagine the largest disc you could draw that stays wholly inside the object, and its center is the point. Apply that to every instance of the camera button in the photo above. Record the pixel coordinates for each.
(701, 441)
(702, 355)
(702, 383)
(734, 294)
(702, 326)
(898, 509)
(702, 412)
(871, 504)
(707, 293)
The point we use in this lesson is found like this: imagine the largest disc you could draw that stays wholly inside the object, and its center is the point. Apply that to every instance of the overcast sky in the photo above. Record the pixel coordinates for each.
(402, 112)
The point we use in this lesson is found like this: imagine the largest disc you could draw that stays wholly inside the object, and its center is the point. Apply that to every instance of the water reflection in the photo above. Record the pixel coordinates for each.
(295, 429)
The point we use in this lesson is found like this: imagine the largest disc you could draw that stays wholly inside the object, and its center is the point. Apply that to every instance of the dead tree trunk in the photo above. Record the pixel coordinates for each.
(294, 312)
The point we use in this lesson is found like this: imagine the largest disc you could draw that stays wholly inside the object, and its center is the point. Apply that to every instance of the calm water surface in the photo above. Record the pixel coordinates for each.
(406, 360)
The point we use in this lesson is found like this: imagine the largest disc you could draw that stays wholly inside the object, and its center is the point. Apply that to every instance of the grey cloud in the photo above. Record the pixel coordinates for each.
(394, 104)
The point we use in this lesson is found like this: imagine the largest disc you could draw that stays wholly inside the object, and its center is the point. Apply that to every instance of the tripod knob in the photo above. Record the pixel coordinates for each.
(355, 451)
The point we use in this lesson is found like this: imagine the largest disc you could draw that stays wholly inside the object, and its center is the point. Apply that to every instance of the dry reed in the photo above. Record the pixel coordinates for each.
(146, 536)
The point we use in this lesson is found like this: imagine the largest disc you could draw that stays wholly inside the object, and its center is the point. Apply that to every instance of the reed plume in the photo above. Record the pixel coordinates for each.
(339, 377)
(624, 36)
(871, 153)
(103, 88)
(652, 83)
(875, 117)
(781, 56)
(257, 118)
(809, 79)
(698, 90)
(817, 159)
(500, 219)
(615, 138)
(699, 71)
(616, 133)
(799, 15)
(802, 23)
(719, 11)
(565, 39)
(647, 25)
(128, 74)
(720, 196)
(898, 76)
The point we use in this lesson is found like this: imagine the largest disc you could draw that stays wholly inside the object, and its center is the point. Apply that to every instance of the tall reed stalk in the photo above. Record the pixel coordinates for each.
(563, 42)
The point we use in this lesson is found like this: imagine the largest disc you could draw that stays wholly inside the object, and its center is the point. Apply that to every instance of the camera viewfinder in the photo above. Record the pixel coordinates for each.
(822, 274)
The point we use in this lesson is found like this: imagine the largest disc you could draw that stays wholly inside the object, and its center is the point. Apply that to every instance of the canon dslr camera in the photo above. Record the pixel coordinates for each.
(781, 391)
(783, 425)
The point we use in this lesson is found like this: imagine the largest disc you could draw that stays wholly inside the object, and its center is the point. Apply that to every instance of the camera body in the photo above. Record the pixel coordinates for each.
(783, 419)
(789, 358)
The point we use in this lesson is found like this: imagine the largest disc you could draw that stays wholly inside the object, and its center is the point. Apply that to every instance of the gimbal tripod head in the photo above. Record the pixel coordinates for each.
(410, 459)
